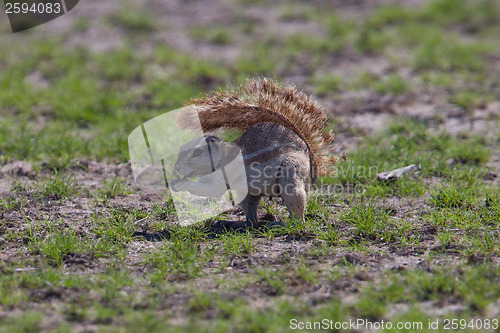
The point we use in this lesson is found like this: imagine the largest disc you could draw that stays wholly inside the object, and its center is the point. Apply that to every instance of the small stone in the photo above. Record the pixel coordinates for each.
(450, 162)
(389, 176)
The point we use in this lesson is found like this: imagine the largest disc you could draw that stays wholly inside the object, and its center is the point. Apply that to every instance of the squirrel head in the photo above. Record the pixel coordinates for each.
(203, 155)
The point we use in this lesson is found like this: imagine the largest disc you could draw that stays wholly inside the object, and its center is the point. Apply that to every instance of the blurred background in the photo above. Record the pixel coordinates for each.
(83, 249)
(76, 86)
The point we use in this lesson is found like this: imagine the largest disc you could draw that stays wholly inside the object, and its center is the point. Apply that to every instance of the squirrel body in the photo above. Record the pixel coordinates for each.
(284, 146)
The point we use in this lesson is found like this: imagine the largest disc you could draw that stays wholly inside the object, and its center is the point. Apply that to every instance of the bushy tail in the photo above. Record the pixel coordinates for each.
(264, 100)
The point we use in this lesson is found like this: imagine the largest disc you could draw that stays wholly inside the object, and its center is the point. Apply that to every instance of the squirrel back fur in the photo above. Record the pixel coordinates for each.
(264, 100)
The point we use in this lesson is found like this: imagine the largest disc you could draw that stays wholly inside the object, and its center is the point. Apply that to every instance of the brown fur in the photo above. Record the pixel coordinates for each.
(264, 100)
(284, 146)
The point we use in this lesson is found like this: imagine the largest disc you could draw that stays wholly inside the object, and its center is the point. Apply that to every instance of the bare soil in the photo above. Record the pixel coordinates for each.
(355, 114)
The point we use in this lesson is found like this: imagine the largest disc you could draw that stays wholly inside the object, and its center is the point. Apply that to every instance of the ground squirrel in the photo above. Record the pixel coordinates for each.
(284, 144)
